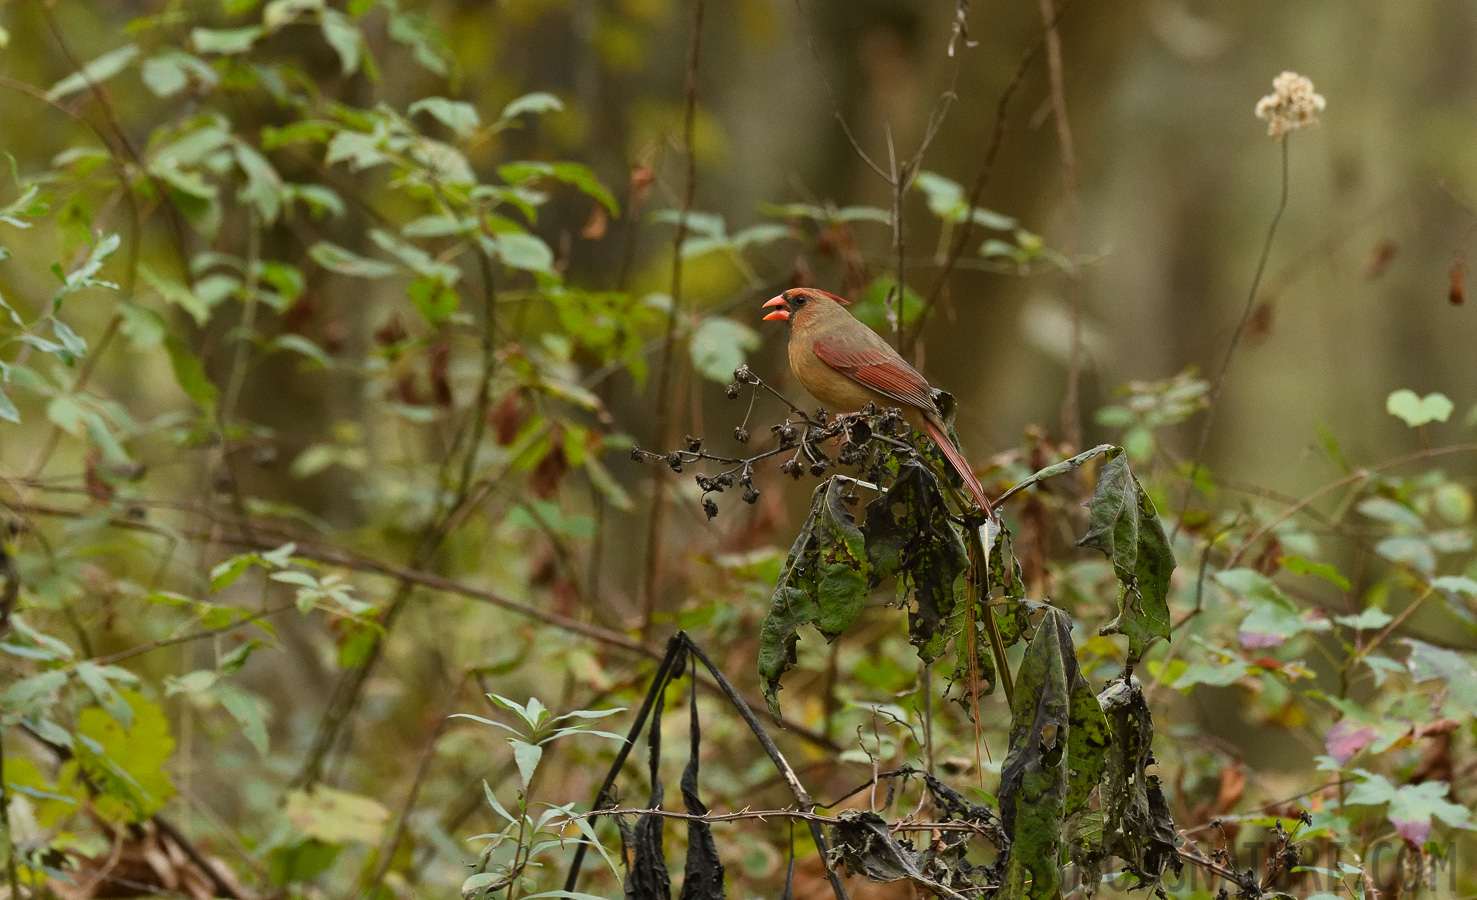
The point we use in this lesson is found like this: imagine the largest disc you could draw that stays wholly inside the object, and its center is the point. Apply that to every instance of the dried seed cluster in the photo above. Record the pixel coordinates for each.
(1292, 104)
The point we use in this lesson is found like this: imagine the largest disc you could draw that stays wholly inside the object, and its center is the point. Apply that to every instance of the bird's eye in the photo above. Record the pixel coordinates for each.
(798, 299)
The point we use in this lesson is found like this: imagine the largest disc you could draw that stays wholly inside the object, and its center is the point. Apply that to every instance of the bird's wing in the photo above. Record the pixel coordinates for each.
(878, 368)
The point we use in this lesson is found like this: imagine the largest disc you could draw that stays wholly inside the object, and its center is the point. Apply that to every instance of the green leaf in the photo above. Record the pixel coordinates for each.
(34, 694)
(1415, 805)
(1055, 469)
(947, 201)
(1123, 524)
(247, 712)
(343, 36)
(536, 102)
(107, 696)
(1456, 584)
(127, 763)
(427, 44)
(8, 410)
(433, 299)
(320, 200)
(720, 345)
(1273, 620)
(824, 583)
(521, 250)
(576, 174)
(1415, 410)
(415, 258)
(1386, 510)
(337, 817)
(527, 757)
(1371, 619)
(460, 117)
(1299, 566)
(296, 343)
(872, 308)
(263, 187)
(1220, 674)
(171, 70)
(1413, 551)
(95, 72)
(360, 150)
(143, 327)
(191, 376)
(347, 262)
(1429, 662)
(226, 40)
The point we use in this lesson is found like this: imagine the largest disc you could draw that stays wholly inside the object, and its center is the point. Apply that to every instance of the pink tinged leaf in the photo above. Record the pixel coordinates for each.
(1252, 640)
(1347, 738)
(1415, 830)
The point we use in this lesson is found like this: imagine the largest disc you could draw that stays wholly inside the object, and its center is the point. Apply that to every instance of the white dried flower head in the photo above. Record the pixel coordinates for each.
(1291, 105)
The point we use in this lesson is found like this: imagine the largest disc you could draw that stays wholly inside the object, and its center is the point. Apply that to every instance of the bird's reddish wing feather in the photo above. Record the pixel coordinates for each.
(880, 369)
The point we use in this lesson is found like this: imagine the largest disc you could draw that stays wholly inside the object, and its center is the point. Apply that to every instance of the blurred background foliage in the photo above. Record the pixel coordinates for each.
(397, 284)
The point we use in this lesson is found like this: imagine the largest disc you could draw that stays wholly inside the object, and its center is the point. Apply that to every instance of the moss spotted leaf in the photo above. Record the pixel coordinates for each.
(1135, 822)
(1034, 778)
(908, 534)
(824, 583)
(1124, 525)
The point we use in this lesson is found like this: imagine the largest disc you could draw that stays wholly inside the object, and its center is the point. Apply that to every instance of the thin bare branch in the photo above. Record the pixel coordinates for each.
(668, 375)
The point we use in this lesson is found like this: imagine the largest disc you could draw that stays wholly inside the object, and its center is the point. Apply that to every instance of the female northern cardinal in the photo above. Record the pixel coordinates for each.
(846, 365)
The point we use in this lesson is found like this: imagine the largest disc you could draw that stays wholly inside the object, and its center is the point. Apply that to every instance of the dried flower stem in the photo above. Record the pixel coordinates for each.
(1212, 400)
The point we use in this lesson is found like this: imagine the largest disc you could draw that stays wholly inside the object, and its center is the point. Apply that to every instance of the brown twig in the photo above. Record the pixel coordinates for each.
(667, 375)
(1213, 397)
(1351, 478)
(1071, 412)
(981, 179)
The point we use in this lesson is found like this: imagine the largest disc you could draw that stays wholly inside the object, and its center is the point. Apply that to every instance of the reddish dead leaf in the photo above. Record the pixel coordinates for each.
(509, 416)
(143, 864)
(1380, 258)
(98, 487)
(335, 334)
(641, 178)
(1259, 326)
(1267, 562)
(1233, 786)
(297, 319)
(550, 470)
(392, 332)
(596, 227)
(406, 390)
(566, 598)
(1347, 738)
(1457, 292)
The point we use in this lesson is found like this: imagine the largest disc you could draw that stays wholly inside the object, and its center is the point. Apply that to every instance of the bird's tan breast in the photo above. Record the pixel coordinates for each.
(837, 392)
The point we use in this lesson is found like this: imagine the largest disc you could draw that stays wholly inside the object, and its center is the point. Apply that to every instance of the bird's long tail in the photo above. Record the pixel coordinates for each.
(961, 465)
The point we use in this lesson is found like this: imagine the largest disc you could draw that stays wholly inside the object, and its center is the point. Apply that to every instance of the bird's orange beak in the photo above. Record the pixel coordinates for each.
(782, 314)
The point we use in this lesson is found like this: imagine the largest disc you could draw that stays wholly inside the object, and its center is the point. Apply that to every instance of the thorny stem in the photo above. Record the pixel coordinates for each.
(656, 530)
(1213, 397)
